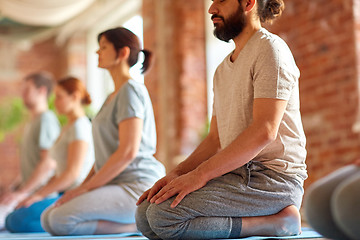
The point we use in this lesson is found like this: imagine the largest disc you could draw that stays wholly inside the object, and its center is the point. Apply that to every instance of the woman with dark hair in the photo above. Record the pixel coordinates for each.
(125, 141)
(73, 153)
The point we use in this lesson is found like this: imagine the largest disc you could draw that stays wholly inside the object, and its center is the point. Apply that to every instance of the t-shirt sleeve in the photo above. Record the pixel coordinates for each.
(275, 72)
(81, 131)
(130, 103)
(49, 130)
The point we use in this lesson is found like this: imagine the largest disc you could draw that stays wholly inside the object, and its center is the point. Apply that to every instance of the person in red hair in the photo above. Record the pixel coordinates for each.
(73, 153)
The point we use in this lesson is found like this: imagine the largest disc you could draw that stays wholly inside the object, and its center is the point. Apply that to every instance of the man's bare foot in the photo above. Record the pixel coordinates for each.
(287, 222)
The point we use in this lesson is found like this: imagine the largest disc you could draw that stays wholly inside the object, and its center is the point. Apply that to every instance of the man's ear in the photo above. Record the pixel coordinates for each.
(249, 5)
(123, 53)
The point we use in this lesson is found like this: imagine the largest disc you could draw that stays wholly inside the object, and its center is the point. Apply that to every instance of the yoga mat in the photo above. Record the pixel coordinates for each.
(306, 234)
(47, 236)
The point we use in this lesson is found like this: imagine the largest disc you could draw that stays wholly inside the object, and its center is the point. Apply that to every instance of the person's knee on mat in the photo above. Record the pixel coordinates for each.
(15, 222)
(315, 203)
(343, 206)
(10, 224)
(62, 223)
(142, 223)
(163, 222)
(57, 224)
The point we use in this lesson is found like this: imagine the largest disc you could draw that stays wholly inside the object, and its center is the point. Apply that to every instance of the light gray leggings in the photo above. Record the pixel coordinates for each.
(215, 210)
(332, 204)
(79, 216)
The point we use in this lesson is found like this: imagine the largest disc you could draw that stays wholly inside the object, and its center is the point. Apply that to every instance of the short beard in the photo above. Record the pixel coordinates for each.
(232, 27)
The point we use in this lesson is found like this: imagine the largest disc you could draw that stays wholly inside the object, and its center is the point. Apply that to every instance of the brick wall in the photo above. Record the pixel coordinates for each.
(46, 55)
(321, 37)
(175, 32)
(76, 56)
(357, 40)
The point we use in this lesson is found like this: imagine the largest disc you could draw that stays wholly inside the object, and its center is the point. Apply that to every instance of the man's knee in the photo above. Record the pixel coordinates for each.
(142, 223)
(140, 216)
(164, 220)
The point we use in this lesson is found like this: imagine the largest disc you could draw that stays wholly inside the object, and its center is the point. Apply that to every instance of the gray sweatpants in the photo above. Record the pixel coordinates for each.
(215, 211)
(79, 216)
(332, 204)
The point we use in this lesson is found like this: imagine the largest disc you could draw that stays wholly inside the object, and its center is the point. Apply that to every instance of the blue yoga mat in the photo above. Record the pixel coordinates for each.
(47, 236)
(306, 234)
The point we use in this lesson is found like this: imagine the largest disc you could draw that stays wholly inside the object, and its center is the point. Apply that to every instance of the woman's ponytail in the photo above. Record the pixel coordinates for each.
(148, 58)
(86, 100)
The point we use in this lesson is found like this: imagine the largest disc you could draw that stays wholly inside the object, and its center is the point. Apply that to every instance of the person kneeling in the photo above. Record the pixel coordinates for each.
(124, 141)
(246, 177)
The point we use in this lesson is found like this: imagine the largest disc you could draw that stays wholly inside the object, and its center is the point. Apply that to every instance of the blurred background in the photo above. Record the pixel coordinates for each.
(61, 37)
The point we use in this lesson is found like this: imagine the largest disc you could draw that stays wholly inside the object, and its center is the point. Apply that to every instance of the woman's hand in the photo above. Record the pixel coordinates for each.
(180, 186)
(27, 202)
(68, 195)
(157, 187)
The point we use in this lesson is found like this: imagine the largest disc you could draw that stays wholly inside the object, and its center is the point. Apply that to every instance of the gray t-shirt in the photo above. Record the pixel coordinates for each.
(132, 100)
(265, 68)
(80, 130)
(40, 134)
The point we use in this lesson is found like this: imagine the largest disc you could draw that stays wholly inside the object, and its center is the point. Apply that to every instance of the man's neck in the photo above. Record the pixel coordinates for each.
(38, 109)
(241, 40)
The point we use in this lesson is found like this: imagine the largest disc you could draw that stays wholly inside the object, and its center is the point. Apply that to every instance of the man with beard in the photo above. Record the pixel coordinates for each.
(40, 133)
(246, 177)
